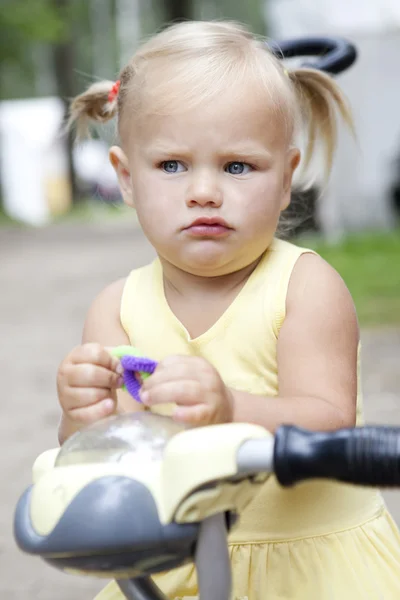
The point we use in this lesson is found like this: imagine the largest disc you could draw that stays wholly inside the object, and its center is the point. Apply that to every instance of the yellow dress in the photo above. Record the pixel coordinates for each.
(318, 541)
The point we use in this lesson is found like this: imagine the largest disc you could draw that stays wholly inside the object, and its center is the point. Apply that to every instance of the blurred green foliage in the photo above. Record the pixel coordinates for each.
(30, 30)
(250, 12)
(22, 22)
(22, 26)
(370, 265)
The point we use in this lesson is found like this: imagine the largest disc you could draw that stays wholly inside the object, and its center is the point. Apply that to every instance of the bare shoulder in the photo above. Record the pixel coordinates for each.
(112, 293)
(316, 288)
(318, 340)
(102, 322)
(108, 301)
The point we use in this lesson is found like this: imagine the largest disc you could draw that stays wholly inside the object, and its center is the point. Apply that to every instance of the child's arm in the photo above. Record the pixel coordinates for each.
(317, 355)
(89, 374)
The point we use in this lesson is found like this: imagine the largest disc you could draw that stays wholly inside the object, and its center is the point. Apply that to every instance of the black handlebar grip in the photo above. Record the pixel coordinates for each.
(363, 455)
(331, 54)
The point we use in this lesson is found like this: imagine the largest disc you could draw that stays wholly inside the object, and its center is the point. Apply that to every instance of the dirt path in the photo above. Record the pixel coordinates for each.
(47, 280)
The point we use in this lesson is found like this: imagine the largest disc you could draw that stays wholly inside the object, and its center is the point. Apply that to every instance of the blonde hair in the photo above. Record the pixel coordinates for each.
(192, 62)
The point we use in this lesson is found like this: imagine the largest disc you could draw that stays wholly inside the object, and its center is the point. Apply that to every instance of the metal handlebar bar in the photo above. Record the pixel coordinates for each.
(212, 567)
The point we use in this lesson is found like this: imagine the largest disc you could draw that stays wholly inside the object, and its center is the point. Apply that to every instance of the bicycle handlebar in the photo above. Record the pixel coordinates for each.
(334, 55)
(365, 456)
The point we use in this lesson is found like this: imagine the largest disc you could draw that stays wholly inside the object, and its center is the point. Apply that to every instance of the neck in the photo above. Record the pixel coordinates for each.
(182, 283)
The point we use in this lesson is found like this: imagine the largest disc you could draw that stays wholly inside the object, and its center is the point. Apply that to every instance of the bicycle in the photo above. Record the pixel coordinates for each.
(186, 488)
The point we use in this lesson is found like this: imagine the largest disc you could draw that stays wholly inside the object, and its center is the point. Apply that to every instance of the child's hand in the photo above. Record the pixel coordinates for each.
(194, 386)
(87, 381)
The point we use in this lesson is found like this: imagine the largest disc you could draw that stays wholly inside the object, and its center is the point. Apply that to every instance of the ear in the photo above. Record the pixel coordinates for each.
(291, 164)
(120, 163)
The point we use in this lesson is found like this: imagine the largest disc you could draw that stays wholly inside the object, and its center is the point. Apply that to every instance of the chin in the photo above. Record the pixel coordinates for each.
(208, 265)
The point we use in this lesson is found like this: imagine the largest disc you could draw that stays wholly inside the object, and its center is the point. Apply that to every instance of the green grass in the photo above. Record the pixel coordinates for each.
(370, 265)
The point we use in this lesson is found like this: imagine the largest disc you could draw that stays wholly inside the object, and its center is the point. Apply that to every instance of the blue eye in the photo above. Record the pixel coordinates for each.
(238, 168)
(172, 166)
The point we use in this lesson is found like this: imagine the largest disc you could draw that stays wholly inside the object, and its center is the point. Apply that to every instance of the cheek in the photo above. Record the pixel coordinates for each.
(147, 193)
(153, 208)
(261, 217)
(264, 201)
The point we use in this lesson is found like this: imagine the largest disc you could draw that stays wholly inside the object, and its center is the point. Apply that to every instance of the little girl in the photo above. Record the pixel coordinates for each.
(246, 327)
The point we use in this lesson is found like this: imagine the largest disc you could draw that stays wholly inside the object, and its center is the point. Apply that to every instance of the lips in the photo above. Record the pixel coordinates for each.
(210, 221)
(208, 227)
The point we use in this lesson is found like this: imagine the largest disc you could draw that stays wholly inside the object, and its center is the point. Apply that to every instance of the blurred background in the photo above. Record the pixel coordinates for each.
(64, 233)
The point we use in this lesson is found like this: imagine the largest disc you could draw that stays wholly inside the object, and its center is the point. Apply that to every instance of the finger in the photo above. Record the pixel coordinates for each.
(95, 412)
(197, 416)
(97, 355)
(75, 398)
(180, 367)
(175, 372)
(90, 375)
(186, 392)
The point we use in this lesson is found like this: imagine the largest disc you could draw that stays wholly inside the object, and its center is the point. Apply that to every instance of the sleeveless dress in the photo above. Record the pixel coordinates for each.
(320, 540)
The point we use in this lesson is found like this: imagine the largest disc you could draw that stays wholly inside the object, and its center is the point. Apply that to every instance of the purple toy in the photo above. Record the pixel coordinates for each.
(132, 366)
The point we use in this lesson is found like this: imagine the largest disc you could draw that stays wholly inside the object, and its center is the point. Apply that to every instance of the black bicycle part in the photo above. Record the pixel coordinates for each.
(333, 54)
(364, 455)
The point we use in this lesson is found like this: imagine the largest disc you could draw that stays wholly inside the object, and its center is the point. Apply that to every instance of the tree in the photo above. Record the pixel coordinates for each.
(250, 12)
(21, 24)
(178, 10)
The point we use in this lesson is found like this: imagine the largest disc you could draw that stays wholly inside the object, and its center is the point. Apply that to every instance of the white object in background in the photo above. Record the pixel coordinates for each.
(359, 191)
(92, 165)
(34, 165)
(292, 18)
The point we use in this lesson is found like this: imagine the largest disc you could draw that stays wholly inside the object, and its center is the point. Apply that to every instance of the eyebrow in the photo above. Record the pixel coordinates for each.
(250, 152)
(233, 152)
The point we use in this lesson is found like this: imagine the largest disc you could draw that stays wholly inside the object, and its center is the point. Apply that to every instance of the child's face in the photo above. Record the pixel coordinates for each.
(227, 160)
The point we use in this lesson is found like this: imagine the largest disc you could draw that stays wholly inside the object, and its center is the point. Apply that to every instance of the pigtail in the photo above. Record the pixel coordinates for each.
(321, 100)
(98, 103)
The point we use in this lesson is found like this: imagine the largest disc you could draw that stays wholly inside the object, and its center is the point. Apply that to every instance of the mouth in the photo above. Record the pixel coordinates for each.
(208, 227)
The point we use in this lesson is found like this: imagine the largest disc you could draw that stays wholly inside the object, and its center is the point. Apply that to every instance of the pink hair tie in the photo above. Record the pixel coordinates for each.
(114, 91)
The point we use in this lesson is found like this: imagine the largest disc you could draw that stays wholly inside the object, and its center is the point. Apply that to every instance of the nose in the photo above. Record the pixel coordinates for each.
(204, 190)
